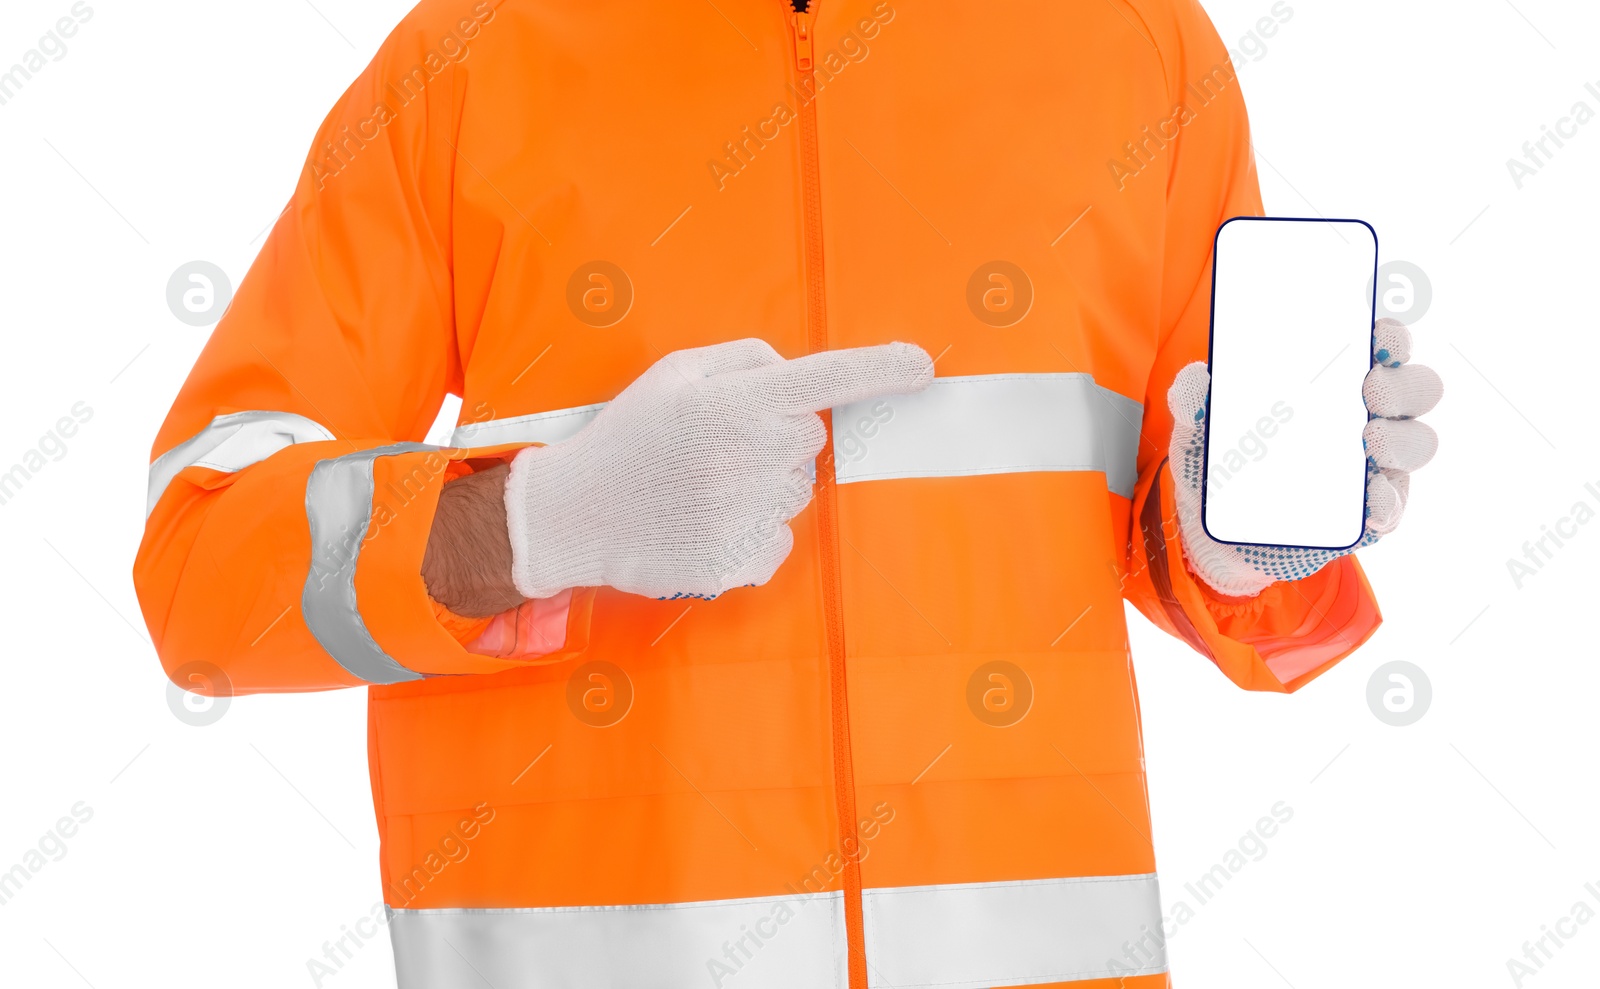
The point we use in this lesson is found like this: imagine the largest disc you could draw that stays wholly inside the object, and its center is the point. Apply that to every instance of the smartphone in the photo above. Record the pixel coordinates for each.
(1291, 343)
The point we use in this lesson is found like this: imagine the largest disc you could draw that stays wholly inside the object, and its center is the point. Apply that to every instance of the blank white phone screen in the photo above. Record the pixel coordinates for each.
(1291, 342)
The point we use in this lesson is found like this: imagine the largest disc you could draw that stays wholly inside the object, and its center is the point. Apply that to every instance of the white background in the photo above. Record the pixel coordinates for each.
(1420, 855)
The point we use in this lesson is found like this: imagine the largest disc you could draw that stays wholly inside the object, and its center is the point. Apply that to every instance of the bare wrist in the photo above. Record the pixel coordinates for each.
(467, 565)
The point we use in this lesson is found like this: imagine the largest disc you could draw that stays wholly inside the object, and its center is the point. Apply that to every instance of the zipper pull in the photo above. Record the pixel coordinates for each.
(802, 40)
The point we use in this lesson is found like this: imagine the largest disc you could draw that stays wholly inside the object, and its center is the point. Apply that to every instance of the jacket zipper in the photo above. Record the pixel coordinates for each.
(801, 24)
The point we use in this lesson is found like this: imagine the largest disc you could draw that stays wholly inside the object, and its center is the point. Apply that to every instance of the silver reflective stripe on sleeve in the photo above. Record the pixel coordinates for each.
(231, 443)
(991, 424)
(540, 427)
(1027, 932)
(339, 510)
(958, 426)
(767, 942)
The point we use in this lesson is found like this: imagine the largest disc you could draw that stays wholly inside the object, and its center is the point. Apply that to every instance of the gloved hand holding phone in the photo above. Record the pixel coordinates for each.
(1396, 443)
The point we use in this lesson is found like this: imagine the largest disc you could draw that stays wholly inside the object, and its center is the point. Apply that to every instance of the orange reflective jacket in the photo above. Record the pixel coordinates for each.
(913, 758)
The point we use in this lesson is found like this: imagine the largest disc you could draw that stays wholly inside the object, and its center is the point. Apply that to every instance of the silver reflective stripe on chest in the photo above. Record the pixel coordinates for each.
(540, 427)
(991, 424)
(959, 426)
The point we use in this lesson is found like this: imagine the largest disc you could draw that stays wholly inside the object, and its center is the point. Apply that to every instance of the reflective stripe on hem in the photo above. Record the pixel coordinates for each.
(338, 511)
(992, 424)
(958, 426)
(230, 443)
(1027, 932)
(766, 942)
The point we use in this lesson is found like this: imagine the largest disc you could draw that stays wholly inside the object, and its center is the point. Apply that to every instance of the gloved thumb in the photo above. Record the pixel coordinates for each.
(1186, 399)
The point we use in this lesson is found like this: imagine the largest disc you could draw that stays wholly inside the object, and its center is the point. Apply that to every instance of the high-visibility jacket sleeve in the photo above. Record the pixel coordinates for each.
(1291, 632)
(290, 503)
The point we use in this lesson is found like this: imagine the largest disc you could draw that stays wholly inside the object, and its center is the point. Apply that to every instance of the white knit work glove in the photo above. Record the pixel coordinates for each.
(683, 485)
(1395, 393)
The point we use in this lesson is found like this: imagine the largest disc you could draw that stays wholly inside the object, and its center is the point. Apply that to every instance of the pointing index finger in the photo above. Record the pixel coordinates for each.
(839, 377)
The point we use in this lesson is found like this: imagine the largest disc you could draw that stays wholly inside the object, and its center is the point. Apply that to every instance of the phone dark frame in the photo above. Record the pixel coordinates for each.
(1205, 443)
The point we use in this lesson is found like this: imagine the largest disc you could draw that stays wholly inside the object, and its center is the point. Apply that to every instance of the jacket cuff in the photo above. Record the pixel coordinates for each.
(391, 598)
(1232, 606)
(460, 627)
(1278, 640)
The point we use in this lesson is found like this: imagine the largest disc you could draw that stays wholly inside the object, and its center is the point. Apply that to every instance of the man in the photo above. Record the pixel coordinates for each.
(715, 689)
